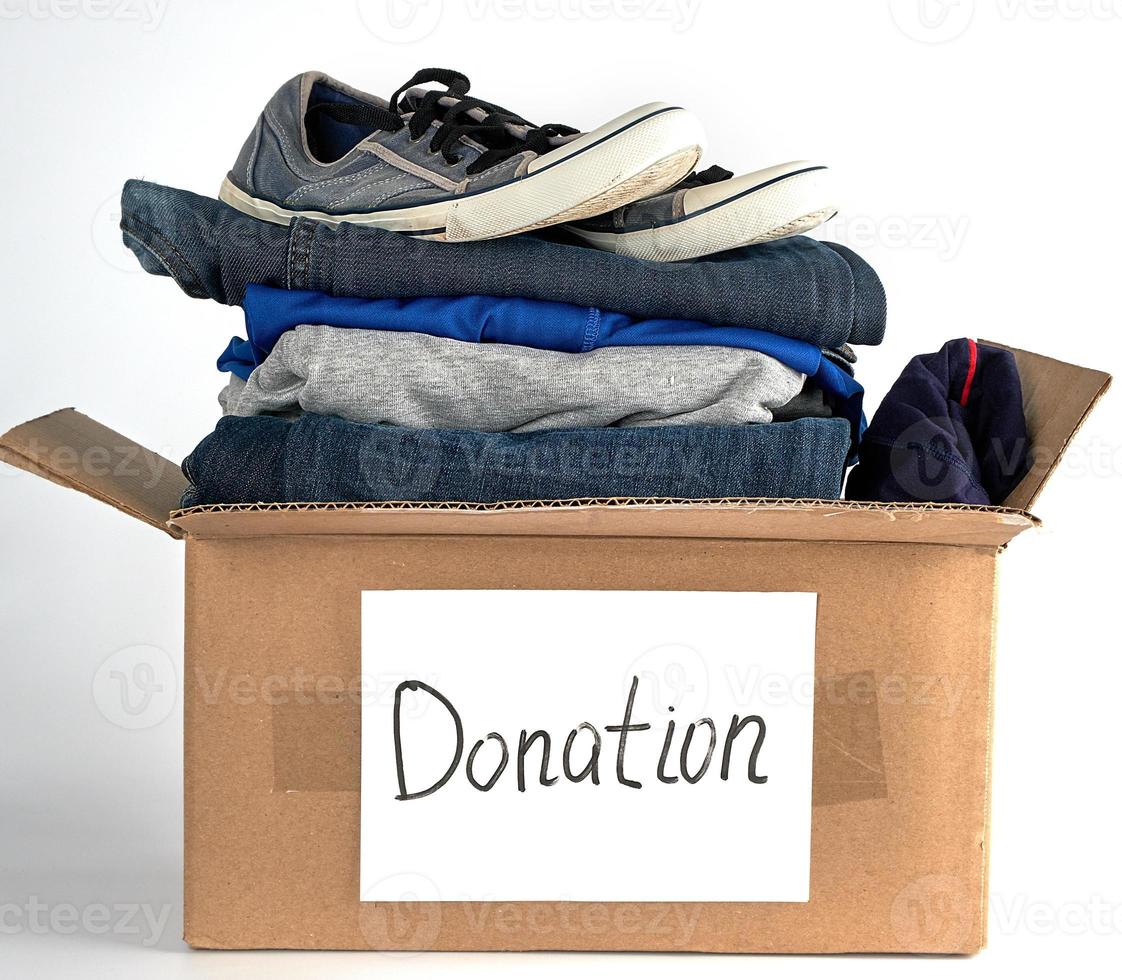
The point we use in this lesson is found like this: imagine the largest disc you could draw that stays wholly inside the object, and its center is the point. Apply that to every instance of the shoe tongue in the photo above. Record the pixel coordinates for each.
(411, 101)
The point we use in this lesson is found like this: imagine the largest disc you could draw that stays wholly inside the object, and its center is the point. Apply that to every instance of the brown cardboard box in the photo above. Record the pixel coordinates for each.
(902, 744)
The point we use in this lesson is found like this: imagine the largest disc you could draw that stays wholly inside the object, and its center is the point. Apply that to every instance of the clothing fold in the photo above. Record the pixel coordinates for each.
(951, 429)
(818, 292)
(416, 380)
(317, 458)
(271, 313)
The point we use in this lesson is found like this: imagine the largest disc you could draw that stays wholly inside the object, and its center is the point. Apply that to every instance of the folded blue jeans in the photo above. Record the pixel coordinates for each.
(819, 292)
(564, 327)
(320, 458)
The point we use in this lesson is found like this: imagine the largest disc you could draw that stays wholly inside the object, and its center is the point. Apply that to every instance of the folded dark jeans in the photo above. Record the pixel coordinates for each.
(819, 292)
(320, 458)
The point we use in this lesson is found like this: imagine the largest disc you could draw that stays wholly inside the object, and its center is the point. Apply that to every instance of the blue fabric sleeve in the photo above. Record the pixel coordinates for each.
(541, 324)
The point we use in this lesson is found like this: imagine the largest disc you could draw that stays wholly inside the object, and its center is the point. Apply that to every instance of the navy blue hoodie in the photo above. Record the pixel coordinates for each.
(950, 430)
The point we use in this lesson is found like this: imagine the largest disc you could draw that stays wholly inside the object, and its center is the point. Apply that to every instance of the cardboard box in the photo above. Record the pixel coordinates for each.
(902, 708)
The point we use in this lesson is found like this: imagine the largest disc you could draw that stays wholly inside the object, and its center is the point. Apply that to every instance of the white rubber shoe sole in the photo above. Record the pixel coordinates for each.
(764, 206)
(640, 154)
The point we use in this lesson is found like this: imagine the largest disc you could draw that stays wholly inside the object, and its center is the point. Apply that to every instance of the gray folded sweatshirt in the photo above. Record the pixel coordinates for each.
(414, 380)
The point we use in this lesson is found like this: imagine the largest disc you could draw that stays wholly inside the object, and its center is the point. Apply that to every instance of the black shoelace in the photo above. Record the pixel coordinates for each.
(456, 124)
(713, 175)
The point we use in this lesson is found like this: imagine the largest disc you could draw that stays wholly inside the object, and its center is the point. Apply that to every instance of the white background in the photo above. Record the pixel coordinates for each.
(508, 662)
(997, 123)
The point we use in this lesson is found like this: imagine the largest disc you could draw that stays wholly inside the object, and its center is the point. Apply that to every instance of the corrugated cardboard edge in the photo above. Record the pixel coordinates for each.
(583, 503)
(757, 518)
(1057, 397)
(987, 820)
(72, 450)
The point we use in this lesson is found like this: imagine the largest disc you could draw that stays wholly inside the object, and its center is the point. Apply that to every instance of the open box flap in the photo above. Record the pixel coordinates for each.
(72, 450)
(1058, 397)
(68, 448)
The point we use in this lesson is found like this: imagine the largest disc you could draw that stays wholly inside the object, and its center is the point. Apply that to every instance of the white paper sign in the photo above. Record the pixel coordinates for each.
(640, 799)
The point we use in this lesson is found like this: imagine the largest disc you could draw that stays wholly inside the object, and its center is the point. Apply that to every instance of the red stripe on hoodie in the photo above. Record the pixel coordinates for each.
(969, 373)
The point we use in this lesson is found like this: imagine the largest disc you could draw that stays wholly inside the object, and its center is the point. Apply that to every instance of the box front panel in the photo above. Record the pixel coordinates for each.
(273, 698)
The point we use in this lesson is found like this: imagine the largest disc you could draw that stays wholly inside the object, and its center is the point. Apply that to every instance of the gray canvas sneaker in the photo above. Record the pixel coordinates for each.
(438, 164)
(713, 211)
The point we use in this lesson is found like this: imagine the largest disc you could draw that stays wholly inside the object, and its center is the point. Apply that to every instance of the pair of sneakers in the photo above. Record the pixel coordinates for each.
(439, 164)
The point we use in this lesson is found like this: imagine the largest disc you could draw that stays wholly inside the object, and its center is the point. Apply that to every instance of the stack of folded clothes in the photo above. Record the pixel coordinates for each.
(413, 334)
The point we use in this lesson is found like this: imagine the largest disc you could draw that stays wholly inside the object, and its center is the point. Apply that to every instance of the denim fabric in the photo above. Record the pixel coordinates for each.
(270, 313)
(950, 430)
(355, 181)
(274, 164)
(348, 174)
(319, 458)
(818, 292)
